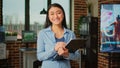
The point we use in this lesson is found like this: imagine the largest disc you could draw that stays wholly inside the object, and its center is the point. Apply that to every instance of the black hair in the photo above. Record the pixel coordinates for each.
(48, 23)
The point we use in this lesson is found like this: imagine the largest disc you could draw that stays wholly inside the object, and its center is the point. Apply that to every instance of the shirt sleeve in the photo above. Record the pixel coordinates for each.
(41, 53)
(74, 56)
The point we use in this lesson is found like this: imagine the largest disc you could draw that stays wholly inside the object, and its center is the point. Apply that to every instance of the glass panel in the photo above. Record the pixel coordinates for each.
(66, 5)
(37, 20)
(13, 15)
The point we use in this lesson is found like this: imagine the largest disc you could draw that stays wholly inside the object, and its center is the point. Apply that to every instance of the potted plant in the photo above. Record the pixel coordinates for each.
(10, 36)
(81, 20)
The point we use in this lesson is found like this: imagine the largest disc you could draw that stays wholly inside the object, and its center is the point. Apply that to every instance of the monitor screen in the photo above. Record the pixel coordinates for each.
(110, 28)
(28, 36)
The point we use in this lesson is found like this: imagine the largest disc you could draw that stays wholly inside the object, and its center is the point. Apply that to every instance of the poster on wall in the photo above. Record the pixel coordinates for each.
(110, 28)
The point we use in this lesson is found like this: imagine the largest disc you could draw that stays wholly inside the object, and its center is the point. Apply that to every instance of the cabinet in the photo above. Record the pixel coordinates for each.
(91, 47)
(29, 56)
(92, 43)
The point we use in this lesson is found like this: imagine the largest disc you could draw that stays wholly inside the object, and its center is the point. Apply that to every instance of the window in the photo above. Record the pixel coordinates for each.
(13, 15)
(37, 20)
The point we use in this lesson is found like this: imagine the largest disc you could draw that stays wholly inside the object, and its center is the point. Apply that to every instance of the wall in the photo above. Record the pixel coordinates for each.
(94, 7)
(80, 8)
(14, 52)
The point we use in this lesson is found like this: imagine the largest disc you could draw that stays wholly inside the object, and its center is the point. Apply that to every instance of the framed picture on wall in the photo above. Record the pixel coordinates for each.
(110, 28)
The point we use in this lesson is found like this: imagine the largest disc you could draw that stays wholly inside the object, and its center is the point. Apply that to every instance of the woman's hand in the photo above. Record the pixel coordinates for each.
(63, 52)
(59, 45)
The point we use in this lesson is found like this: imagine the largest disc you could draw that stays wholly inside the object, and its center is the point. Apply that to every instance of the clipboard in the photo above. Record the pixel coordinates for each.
(75, 44)
(72, 46)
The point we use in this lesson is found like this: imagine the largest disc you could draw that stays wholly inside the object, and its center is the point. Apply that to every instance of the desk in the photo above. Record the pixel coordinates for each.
(29, 56)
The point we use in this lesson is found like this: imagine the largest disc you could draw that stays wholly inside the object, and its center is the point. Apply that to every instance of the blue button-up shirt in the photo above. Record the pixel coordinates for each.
(45, 49)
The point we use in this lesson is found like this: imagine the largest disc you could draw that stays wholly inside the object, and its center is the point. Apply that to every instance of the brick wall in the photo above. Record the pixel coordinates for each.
(14, 53)
(80, 8)
(107, 60)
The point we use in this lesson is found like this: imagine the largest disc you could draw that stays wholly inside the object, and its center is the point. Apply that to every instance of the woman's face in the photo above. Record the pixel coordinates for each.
(55, 15)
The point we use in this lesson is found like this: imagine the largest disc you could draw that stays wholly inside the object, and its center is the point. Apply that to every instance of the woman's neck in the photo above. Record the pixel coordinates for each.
(58, 30)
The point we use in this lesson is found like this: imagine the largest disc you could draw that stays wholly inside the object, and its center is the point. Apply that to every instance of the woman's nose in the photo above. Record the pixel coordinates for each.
(55, 15)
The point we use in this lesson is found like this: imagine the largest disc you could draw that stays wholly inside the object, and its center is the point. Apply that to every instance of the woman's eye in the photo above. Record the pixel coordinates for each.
(51, 14)
(58, 12)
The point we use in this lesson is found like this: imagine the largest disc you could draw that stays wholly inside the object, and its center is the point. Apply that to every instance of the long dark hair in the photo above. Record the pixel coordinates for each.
(48, 23)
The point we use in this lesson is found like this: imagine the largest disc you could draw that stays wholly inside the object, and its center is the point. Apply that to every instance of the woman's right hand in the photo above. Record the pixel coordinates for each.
(63, 52)
(59, 45)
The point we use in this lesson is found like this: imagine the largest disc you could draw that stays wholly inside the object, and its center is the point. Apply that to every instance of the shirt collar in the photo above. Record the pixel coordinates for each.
(49, 29)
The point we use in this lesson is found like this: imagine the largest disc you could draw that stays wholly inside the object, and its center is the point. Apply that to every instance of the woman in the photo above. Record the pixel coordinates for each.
(52, 40)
